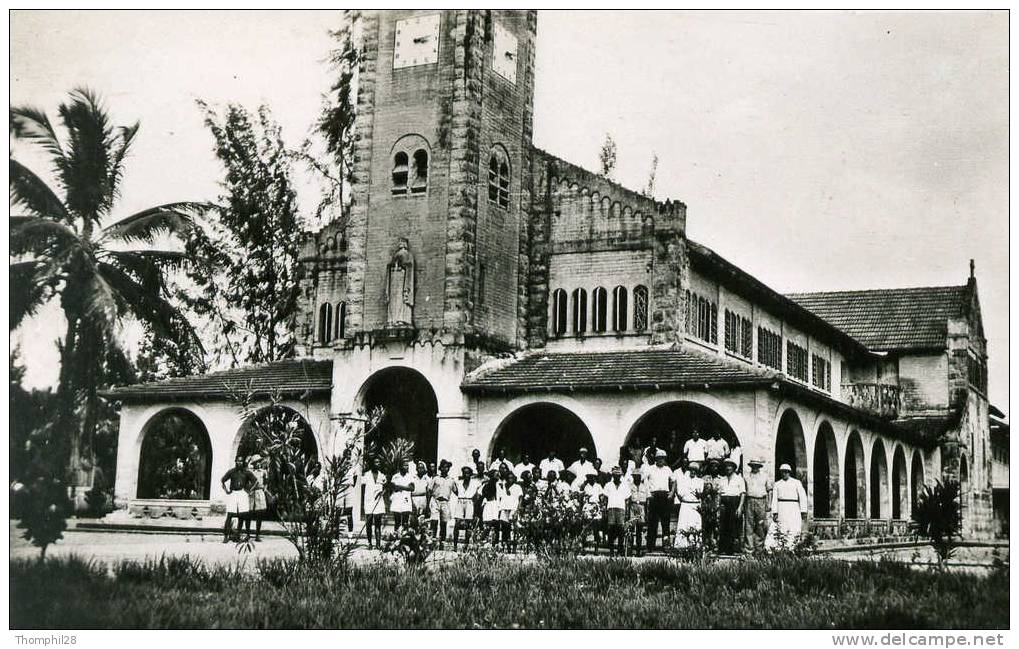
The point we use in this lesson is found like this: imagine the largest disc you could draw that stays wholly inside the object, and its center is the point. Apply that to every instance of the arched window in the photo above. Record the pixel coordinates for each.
(579, 310)
(325, 323)
(341, 321)
(619, 308)
(558, 312)
(640, 308)
(419, 185)
(498, 178)
(600, 299)
(401, 168)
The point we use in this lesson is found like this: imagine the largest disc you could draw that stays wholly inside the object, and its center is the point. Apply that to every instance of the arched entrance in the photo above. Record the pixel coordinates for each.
(671, 424)
(790, 446)
(537, 428)
(409, 414)
(855, 477)
(879, 505)
(176, 457)
(826, 473)
(900, 492)
(917, 479)
(259, 430)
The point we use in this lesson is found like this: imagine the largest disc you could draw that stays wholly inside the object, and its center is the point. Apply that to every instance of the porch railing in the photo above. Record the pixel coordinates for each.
(878, 398)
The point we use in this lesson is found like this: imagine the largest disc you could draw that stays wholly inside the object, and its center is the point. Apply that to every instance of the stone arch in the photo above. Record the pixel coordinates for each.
(250, 438)
(791, 445)
(538, 427)
(880, 504)
(175, 457)
(410, 410)
(669, 425)
(855, 477)
(606, 206)
(900, 484)
(826, 472)
(917, 479)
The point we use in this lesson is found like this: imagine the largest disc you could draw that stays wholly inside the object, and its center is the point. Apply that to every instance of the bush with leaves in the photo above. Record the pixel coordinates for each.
(555, 523)
(414, 541)
(938, 517)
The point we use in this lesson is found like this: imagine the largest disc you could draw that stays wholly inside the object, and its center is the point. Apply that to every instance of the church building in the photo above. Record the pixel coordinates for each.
(489, 295)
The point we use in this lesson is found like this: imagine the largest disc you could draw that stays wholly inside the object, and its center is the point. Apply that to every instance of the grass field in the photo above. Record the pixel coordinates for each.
(502, 593)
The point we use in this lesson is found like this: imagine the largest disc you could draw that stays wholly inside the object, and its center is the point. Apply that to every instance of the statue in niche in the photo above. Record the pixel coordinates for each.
(400, 286)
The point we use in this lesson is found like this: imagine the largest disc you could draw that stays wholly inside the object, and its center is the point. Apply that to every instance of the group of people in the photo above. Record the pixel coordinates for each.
(636, 499)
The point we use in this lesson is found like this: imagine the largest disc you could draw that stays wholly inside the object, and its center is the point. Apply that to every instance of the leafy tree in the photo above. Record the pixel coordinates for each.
(249, 292)
(607, 156)
(61, 249)
(938, 517)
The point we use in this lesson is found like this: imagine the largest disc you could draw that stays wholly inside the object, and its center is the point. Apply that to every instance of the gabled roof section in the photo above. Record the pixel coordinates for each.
(898, 319)
(706, 261)
(296, 377)
(646, 368)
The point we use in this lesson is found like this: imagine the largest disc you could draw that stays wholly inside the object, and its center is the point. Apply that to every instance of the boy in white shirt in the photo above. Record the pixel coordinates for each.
(616, 494)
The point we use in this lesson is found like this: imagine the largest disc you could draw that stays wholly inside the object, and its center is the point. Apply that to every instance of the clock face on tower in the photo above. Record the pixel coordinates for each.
(504, 54)
(417, 41)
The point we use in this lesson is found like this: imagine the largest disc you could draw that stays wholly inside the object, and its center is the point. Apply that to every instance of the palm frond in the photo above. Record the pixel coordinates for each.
(34, 235)
(29, 191)
(88, 155)
(103, 306)
(125, 136)
(171, 218)
(33, 125)
(146, 266)
(28, 291)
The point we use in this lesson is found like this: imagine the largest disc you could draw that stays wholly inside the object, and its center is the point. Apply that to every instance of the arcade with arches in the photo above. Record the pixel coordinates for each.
(670, 425)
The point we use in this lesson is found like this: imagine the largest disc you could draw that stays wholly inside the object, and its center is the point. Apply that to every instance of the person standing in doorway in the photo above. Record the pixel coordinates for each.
(551, 463)
(525, 466)
(236, 483)
(374, 482)
(695, 449)
(582, 467)
(716, 448)
(659, 482)
(732, 490)
(755, 517)
(788, 509)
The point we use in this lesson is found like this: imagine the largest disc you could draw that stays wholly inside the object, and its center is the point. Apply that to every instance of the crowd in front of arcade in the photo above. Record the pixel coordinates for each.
(646, 498)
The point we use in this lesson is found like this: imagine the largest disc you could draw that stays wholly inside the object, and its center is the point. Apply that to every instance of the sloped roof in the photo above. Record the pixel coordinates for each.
(891, 319)
(291, 377)
(633, 369)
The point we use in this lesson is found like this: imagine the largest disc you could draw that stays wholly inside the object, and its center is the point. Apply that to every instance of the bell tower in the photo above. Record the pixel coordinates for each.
(437, 231)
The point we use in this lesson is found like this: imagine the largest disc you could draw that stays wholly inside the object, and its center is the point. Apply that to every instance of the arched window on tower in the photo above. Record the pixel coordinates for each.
(341, 321)
(600, 299)
(619, 308)
(559, 319)
(640, 308)
(401, 169)
(325, 323)
(579, 310)
(498, 178)
(419, 185)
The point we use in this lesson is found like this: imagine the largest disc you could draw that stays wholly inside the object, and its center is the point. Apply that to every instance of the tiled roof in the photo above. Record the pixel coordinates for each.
(644, 368)
(291, 377)
(890, 319)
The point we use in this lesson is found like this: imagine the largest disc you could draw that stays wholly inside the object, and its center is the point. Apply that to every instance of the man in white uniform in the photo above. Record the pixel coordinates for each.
(525, 466)
(373, 482)
(465, 489)
(695, 449)
(732, 491)
(551, 463)
(582, 467)
(716, 448)
(400, 498)
(659, 482)
(617, 494)
(788, 509)
(501, 460)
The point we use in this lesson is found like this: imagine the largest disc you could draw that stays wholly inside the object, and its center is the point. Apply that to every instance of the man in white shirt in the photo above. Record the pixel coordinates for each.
(659, 482)
(465, 489)
(525, 466)
(732, 491)
(583, 466)
(373, 482)
(501, 460)
(695, 449)
(440, 491)
(616, 494)
(551, 463)
(400, 499)
(716, 448)
(736, 455)
(788, 509)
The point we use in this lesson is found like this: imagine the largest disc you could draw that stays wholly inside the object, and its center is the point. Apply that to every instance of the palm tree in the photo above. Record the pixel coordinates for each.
(61, 249)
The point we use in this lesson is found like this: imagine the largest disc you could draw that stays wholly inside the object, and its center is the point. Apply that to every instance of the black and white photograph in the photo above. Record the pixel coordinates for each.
(509, 319)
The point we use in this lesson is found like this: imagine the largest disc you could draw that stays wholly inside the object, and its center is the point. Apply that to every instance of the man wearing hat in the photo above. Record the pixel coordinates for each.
(582, 467)
(616, 494)
(788, 508)
(732, 490)
(659, 482)
(758, 501)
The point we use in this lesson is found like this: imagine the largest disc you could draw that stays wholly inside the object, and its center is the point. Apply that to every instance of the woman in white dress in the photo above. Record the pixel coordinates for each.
(688, 492)
(788, 509)
(402, 484)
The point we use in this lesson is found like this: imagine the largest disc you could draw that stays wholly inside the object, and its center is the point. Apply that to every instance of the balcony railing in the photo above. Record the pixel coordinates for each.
(879, 399)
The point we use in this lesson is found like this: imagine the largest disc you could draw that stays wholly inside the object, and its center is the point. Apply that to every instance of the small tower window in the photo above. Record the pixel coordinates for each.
(600, 312)
(558, 312)
(400, 171)
(619, 308)
(640, 308)
(579, 310)
(341, 321)
(325, 324)
(498, 178)
(419, 185)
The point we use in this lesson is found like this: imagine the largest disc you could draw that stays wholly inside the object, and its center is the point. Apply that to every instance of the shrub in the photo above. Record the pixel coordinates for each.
(414, 542)
(555, 524)
(938, 517)
(44, 510)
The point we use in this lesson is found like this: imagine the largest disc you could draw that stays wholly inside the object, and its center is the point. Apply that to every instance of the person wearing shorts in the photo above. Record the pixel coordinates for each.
(440, 490)
(236, 483)
(465, 489)
(637, 512)
(615, 494)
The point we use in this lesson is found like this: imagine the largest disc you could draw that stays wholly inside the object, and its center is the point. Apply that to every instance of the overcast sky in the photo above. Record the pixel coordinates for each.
(815, 150)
